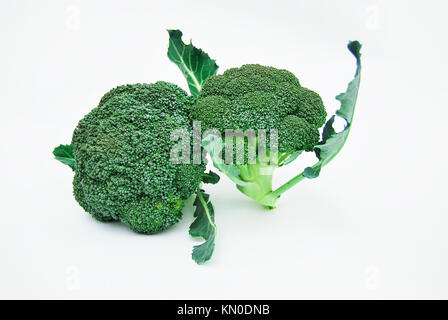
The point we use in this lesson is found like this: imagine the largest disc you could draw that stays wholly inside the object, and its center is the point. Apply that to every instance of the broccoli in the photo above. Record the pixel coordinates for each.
(122, 157)
(259, 97)
(279, 118)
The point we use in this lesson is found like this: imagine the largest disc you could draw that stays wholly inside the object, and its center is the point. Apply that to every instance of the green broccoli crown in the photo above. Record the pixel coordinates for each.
(260, 97)
(122, 153)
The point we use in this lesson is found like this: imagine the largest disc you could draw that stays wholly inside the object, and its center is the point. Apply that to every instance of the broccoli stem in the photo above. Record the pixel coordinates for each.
(270, 199)
(259, 178)
(259, 187)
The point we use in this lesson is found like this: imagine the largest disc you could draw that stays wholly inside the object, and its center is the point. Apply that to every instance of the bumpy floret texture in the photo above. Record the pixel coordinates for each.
(259, 97)
(122, 153)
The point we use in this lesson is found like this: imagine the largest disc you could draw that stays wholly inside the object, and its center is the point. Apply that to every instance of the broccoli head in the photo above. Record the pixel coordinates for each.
(259, 97)
(255, 97)
(122, 155)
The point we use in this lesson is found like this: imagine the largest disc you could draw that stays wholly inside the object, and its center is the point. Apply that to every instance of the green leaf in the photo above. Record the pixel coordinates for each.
(214, 145)
(194, 63)
(348, 98)
(210, 177)
(64, 154)
(311, 172)
(332, 141)
(204, 227)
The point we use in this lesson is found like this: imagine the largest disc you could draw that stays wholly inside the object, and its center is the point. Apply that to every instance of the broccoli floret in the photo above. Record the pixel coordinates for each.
(122, 155)
(259, 97)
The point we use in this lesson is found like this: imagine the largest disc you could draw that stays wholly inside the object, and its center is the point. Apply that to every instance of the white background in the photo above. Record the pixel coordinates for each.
(374, 225)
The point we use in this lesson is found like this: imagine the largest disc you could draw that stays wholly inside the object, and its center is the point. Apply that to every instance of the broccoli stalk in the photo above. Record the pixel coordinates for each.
(258, 177)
